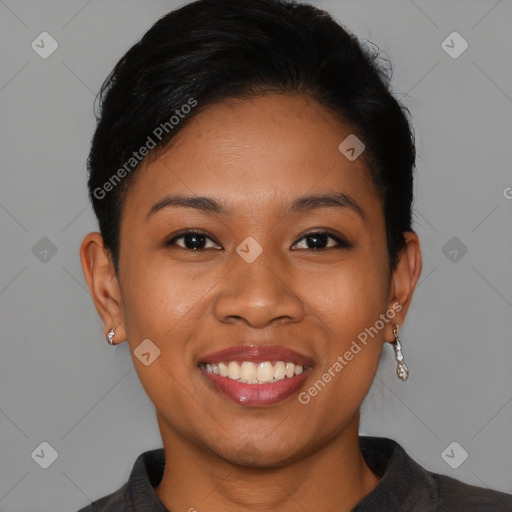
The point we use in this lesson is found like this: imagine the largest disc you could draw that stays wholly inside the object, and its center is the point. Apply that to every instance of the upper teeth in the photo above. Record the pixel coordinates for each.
(255, 373)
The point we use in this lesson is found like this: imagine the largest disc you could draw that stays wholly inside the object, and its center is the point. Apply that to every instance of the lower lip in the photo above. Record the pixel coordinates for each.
(257, 394)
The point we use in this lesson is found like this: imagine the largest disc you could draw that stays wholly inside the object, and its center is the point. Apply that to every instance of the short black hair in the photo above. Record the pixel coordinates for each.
(211, 50)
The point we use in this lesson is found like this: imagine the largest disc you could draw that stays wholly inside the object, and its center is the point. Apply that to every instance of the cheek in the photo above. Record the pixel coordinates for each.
(156, 298)
(349, 297)
(348, 302)
(162, 306)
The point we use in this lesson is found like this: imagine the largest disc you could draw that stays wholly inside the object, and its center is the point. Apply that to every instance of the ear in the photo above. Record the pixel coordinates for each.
(403, 281)
(103, 284)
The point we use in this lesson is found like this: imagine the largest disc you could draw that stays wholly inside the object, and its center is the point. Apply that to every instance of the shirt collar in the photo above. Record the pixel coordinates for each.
(400, 478)
(403, 484)
(146, 474)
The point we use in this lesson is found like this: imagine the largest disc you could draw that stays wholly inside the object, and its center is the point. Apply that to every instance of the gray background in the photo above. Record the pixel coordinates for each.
(59, 380)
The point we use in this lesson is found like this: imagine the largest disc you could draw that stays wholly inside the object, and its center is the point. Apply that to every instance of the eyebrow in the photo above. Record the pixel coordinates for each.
(300, 204)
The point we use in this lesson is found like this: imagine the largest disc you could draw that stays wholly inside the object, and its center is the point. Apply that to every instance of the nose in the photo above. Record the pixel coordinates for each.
(258, 295)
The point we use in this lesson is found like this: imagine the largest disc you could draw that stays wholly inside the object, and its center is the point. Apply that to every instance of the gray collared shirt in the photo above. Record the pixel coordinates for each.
(404, 486)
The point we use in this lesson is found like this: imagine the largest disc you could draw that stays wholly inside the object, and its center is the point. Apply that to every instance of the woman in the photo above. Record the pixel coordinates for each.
(252, 177)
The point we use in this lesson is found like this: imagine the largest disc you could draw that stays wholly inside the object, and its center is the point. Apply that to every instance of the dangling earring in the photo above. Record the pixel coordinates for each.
(110, 337)
(401, 370)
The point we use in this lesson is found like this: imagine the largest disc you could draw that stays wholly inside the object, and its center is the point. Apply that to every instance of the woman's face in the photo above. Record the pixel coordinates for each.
(257, 161)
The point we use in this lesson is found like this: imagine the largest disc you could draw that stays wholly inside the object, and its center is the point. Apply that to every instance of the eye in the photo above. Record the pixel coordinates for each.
(314, 241)
(319, 240)
(192, 240)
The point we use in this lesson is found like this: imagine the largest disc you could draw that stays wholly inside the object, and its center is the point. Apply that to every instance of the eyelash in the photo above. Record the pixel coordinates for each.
(342, 243)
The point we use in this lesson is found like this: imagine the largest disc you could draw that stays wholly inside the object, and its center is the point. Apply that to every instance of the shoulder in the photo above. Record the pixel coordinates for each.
(138, 493)
(406, 486)
(454, 496)
(115, 502)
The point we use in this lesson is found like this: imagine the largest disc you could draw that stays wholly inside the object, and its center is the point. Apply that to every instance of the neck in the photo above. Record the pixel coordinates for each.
(333, 478)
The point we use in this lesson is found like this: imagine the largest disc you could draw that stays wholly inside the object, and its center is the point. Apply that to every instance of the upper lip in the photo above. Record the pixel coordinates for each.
(257, 353)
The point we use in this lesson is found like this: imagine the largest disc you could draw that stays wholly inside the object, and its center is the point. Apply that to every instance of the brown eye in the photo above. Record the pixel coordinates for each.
(192, 240)
(319, 240)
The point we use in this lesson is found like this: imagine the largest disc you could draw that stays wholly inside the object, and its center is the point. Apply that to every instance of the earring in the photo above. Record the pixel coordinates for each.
(110, 337)
(401, 370)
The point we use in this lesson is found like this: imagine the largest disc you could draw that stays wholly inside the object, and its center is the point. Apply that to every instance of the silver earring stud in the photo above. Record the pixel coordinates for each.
(110, 337)
(401, 370)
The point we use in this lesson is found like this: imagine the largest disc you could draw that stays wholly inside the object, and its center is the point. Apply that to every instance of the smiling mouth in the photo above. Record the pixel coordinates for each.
(256, 375)
(248, 372)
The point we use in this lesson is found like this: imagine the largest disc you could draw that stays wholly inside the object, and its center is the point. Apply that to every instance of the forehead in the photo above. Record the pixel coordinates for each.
(256, 153)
